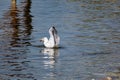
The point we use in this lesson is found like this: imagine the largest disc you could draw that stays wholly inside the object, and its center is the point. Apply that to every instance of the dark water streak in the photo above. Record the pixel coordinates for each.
(15, 39)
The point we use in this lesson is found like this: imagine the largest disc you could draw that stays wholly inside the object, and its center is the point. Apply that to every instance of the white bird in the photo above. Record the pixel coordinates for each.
(54, 39)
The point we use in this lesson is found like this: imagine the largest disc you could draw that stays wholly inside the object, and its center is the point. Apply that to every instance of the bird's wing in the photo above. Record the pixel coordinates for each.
(56, 37)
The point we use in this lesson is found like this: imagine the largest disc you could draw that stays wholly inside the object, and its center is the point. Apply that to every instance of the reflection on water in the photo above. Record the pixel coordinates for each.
(27, 17)
(89, 31)
(16, 25)
(22, 32)
(50, 54)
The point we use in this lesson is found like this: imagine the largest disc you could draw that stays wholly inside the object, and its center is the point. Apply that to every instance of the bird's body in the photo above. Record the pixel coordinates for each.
(54, 39)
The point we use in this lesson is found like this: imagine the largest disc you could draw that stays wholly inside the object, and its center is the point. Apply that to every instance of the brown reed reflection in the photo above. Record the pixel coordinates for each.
(14, 22)
(21, 24)
(16, 26)
(27, 17)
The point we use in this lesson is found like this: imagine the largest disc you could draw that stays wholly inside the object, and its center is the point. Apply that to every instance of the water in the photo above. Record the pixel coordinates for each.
(89, 32)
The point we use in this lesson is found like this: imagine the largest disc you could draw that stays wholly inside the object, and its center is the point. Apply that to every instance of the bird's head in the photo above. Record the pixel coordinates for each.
(44, 39)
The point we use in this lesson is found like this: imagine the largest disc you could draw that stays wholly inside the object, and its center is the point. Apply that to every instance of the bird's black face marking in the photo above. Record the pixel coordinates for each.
(41, 40)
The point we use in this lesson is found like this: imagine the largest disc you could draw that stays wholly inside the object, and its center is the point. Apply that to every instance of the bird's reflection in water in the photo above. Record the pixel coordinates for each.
(50, 56)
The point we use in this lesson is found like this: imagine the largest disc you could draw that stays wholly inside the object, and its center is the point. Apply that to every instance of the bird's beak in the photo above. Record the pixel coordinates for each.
(41, 40)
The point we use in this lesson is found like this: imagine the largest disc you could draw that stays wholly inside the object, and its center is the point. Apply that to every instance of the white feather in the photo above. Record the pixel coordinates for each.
(54, 39)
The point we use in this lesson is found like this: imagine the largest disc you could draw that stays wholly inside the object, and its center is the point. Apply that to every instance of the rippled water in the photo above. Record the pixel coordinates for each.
(90, 39)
